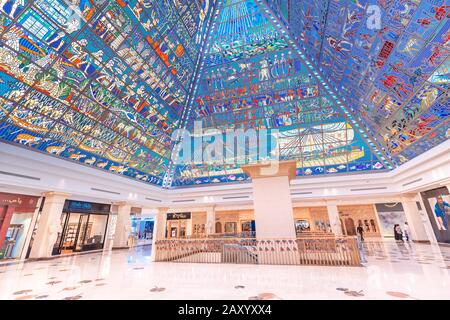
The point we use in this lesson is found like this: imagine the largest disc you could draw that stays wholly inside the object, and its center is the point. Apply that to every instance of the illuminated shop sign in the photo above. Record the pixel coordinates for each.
(88, 207)
(178, 216)
(18, 201)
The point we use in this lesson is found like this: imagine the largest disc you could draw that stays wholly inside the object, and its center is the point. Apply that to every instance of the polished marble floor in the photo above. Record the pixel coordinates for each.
(392, 271)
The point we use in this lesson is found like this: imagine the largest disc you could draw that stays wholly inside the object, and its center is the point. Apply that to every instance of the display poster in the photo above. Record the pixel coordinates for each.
(441, 216)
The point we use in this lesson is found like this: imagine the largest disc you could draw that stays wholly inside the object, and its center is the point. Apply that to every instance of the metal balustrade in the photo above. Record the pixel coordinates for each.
(330, 251)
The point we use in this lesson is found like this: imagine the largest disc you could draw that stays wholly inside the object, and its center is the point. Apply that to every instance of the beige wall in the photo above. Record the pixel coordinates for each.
(237, 216)
(361, 213)
(313, 215)
(198, 223)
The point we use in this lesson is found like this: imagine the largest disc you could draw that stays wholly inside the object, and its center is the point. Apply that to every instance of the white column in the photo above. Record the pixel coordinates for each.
(417, 229)
(210, 220)
(333, 216)
(189, 226)
(123, 225)
(49, 224)
(159, 229)
(30, 229)
(274, 217)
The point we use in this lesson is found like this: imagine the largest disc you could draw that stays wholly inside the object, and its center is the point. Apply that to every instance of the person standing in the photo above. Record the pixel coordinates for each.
(406, 232)
(439, 211)
(398, 233)
(360, 232)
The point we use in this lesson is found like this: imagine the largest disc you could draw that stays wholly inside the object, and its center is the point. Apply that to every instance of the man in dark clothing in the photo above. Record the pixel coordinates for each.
(360, 231)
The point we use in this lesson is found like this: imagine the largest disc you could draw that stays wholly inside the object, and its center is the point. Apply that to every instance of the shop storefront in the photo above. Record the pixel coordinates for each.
(390, 215)
(309, 221)
(437, 202)
(365, 216)
(198, 224)
(177, 224)
(142, 230)
(83, 227)
(235, 222)
(17, 216)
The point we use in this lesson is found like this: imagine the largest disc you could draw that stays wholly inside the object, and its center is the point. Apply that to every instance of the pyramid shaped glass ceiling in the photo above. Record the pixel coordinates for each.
(108, 83)
(254, 79)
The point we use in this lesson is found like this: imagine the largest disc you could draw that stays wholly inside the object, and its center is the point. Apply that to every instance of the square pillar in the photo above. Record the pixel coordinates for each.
(426, 220)
(335, 222)
(49, 225)
(123, 226)
(274, 216)
(159, 229)
(415, 223)
(210, 227)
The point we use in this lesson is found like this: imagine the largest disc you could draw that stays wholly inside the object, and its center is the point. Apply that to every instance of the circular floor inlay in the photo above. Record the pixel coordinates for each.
(398, 294)
(85, 281)
(22, 292)
(354, 293)
(265, 296)
(27, 297)
(100, 284)
(77, 297)
(70, 288)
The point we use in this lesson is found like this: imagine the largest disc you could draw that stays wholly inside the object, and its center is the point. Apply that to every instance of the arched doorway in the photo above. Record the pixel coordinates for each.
(218, 227)
(350, 227)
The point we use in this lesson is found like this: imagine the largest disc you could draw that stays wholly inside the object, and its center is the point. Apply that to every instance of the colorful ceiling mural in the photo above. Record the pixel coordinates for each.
(341, 86)
(252, 79)
(99, 82)
(390, 61)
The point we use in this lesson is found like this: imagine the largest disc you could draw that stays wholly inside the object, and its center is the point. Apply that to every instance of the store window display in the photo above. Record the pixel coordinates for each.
(17, 215)
(142, 230)
(236, 223)
(311, 220)
(83, 227)
(177, 224)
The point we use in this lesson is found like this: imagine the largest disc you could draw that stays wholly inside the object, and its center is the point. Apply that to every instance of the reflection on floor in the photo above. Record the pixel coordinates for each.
(393, 271)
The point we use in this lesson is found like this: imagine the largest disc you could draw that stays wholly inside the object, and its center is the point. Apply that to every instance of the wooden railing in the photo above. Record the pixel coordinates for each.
(331, 251)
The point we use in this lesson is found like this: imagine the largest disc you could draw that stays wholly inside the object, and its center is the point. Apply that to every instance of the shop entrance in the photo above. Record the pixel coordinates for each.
(177, 224)
(16, 215)
(76, 227)
(177, 229)
(82, 231)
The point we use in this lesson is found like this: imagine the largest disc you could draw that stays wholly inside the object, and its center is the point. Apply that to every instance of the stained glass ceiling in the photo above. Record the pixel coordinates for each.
(254, 78)
(100, 82)
(392, 72)
(107, 83)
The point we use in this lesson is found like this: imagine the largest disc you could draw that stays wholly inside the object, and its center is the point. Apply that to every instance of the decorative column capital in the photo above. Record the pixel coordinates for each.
(271, 169)
(121, 203)
(49, 194)
(162, 210)
(408, 197)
